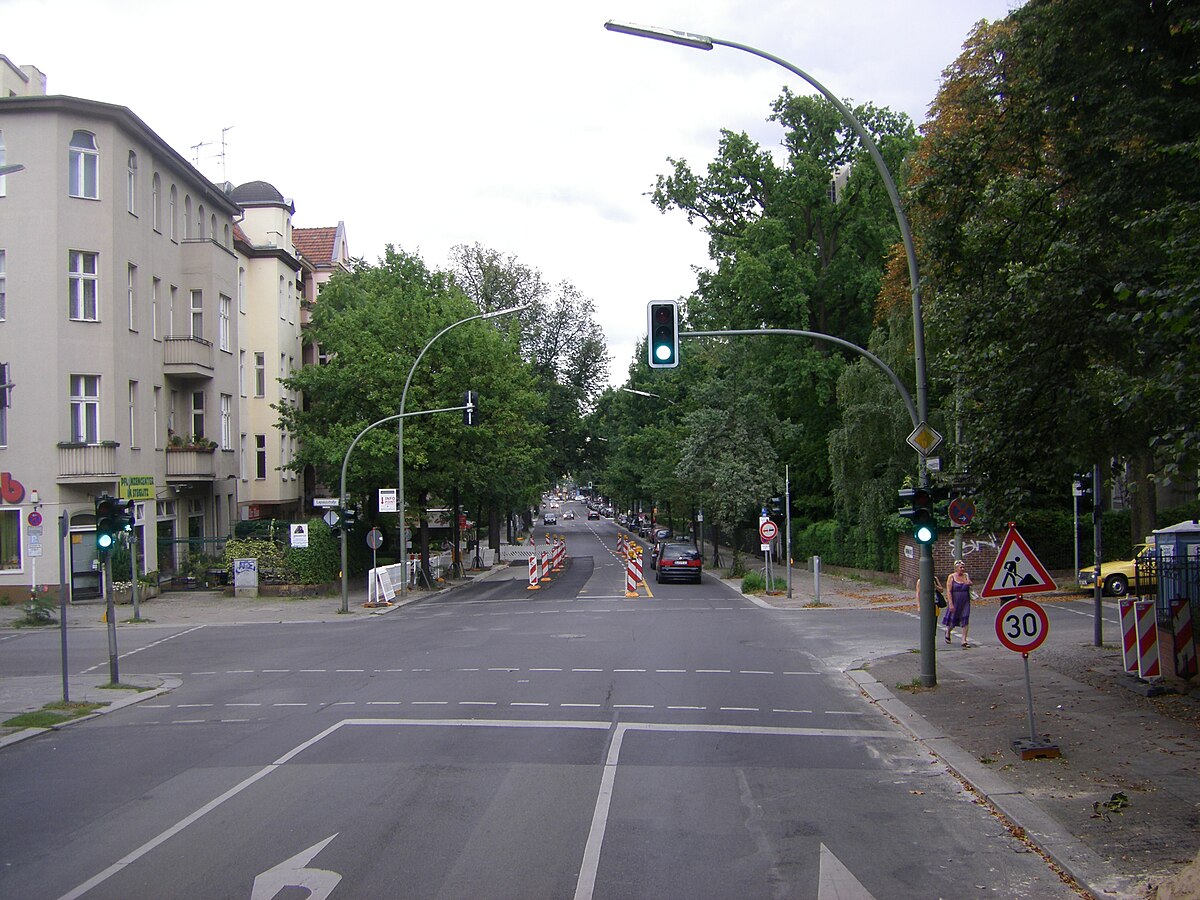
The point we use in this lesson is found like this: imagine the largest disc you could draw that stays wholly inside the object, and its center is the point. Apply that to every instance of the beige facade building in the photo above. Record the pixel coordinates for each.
(146, 316)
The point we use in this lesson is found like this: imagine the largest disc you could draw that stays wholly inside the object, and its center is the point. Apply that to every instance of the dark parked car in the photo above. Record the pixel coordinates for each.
(678, 562)
(593, 514)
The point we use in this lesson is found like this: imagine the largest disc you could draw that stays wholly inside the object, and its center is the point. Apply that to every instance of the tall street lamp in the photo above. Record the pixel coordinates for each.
(628, 390)
(704, 42)
(400, 431)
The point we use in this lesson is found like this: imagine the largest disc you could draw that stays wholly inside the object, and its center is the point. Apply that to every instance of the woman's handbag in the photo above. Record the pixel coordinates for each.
(939, 599)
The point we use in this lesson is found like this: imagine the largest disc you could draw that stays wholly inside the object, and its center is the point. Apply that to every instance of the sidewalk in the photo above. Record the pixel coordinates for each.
(1113, 739)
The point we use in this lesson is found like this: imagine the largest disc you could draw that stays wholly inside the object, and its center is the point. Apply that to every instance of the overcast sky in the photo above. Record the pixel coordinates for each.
(521, 125)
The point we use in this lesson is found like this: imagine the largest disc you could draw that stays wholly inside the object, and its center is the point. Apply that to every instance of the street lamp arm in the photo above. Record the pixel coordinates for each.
(899, 385)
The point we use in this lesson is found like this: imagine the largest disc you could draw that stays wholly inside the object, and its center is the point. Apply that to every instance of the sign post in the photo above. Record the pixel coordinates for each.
(1022, 626)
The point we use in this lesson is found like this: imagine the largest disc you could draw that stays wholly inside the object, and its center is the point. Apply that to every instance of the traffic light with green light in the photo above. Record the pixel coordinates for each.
(663, 334)
(919, 513)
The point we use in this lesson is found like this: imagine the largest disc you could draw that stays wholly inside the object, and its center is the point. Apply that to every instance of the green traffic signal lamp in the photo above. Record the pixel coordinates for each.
(107, 524)
(663, 334)
(920, 513)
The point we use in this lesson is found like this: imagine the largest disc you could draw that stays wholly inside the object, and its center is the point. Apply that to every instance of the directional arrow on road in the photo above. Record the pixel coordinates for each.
(294, 873)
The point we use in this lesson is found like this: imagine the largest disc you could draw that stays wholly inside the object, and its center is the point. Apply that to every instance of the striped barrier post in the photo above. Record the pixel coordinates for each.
(631, 584)
(533, 573)
(1129, 659)
(1185, 641)
(545, 563)
(635, 560)
(1147, 638)
(620, 544)
(560, 547)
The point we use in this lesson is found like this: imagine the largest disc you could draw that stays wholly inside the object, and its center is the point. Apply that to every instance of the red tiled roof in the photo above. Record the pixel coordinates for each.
(315, 244)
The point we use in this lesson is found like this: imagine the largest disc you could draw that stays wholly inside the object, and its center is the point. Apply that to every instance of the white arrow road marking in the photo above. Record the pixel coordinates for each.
(294, 873)
(836, 882)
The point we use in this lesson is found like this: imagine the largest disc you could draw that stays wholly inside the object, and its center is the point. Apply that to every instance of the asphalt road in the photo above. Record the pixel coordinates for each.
(501, 742)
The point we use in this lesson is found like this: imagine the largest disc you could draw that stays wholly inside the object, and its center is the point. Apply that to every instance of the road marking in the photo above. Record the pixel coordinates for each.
(384, 702)
(633, 706)
(204, 673)
(187, 721)
(504, 669)
(240, 672)
(314, 670)
(232, 721)
(343, 703)
(712, 671)
(348, 670)
(688, 707)
(739, 709)
(243, 704)
(289, 704)
(798, 711)
(753, 672)
(545, 670)
(587, 670)
(476, 702)
(430, 702)
(194, 705)
(629, 670)
(527, 703)
(580, 705)
(671, 671)
(275, 671)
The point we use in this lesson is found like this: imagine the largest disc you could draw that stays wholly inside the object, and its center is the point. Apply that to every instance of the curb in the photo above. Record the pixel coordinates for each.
(1052, 839)
(169, 683)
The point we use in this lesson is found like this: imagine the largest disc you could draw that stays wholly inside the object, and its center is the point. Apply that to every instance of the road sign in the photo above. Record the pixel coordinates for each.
(331, 518)
(34, 518)
(325, 502)
(962, 510)
(299, 534)
(1016, 570)
(924, 439)
(1022, 625)
(768, 531)
(387, 499)
(374, 538)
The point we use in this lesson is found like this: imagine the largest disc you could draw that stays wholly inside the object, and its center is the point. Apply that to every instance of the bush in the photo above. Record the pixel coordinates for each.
(317, 563)
(753, 582)
(268, 553)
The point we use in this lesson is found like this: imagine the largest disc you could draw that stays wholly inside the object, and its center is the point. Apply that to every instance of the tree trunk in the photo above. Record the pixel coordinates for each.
(1143, 497)
(494, 527)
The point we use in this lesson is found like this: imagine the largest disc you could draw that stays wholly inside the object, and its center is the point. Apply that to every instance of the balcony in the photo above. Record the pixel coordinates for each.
(187, 357)
(82, 463)
(190, 465)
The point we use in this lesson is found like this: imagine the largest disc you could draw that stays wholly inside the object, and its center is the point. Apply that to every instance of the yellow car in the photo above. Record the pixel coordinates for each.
(1116, 578)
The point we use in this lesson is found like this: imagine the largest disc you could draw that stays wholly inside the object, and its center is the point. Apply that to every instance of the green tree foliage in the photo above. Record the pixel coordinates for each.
(371, 323)
(786, 255)
(1056, 197)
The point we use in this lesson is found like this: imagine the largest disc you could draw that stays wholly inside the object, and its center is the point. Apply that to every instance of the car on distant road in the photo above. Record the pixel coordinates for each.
(569, 514)
(550, 519)
(679, 562)
(593, 514)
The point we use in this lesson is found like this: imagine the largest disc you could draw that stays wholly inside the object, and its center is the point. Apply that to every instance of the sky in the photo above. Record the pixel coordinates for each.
(520, 125)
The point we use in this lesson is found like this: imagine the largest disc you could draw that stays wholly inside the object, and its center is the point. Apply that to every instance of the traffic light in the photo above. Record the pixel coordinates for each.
(348, 518)
(113, 518)
(1081, 485)
(663, 334)
(471, 413)
(776, 505)
(920, 513)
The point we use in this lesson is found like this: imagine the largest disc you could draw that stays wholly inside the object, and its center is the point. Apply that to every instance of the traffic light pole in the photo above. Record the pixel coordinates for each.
(110, 614)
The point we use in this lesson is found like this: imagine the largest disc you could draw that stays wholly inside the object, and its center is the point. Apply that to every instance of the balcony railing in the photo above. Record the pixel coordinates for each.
(188, 356)
(83, 462)
(191, 465)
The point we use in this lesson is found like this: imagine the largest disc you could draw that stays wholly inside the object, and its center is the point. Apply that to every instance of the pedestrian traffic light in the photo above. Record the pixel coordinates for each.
(663, 334)
(1081, 485)
(919, 513)
(471, 412)
(348, 518)
(777, 506)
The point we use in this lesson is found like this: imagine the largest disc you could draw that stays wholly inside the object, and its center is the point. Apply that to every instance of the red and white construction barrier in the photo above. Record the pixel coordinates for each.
(635, 560)
(534, 575)
(631, 580)
(1147, 639)
(560, 552)
(1185, 640)
(1129, 656)
(545, 563)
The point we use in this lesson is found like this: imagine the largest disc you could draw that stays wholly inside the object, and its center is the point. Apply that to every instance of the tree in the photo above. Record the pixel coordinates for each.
(1056, 195)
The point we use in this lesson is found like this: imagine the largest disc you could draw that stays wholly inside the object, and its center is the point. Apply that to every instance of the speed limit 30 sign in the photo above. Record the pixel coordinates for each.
(1022, 625)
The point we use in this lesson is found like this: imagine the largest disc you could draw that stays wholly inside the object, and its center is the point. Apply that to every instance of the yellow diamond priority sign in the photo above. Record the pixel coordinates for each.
(924, 439)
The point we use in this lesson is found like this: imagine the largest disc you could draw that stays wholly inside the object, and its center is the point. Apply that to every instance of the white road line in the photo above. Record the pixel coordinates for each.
(629, 670)
(314, 670)
(671, 671)
(801, 673)
(156, 706)
(753, 672)
(633, 706)
(348, 670)
(545, 670)
(343, 703)
(275, 671)
(739, 709)
(712, 671)
(799, 711)
(430, 702)
(204, 673)
(842, 712)
(239, 672)
(527, 703)
(289, 704)
(504, 669)
(187, 721)
(243, 704)
(230, 721)
(470, 670)
(384, 702)
(688, 707)
(580, 705)
(587, 670)
(194, 705)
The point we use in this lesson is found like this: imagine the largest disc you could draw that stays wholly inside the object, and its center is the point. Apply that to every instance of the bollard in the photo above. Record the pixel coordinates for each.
(1185, 643)
(635, 560)
(1129, 642)
(545, 564)
(816, 564)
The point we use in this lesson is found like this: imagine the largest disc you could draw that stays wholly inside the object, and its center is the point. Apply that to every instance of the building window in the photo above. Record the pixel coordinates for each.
(199, 232)
(5, 401)
(242, 290)
(223, 322)
(242, 372)
(133, 432)
(172, 213)
(157, 412)
(198, 414)
(83, 176)
(85, 409)
(3, 286)
(260, 374)
(187, 216)
(155, 287)
(82, 285)
(282, 299)
(197, 315)
(3, 178)
(156, 202)
(10, 540)
(226, 422)
(242, 456)
(131, 291)
(171, 304)
(131, 182)
(260, 456)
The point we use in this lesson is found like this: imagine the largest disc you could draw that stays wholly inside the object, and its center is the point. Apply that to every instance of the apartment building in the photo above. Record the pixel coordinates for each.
(147, 316)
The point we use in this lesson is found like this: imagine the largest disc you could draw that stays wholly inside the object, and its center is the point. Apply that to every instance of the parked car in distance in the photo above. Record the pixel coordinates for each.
(593, 514)
(678, 562)
(550, 519)
(662, 534)
(1118, 576)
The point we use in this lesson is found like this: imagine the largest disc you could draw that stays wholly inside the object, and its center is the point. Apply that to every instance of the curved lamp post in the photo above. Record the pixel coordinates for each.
(496, 313)
(704, 42)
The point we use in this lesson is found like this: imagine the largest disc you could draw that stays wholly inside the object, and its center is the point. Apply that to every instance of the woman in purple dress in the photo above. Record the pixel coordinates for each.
(958, 598)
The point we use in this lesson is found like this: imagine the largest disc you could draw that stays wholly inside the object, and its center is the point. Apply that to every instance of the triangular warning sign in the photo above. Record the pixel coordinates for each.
(1016, 570)
(299, 529)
